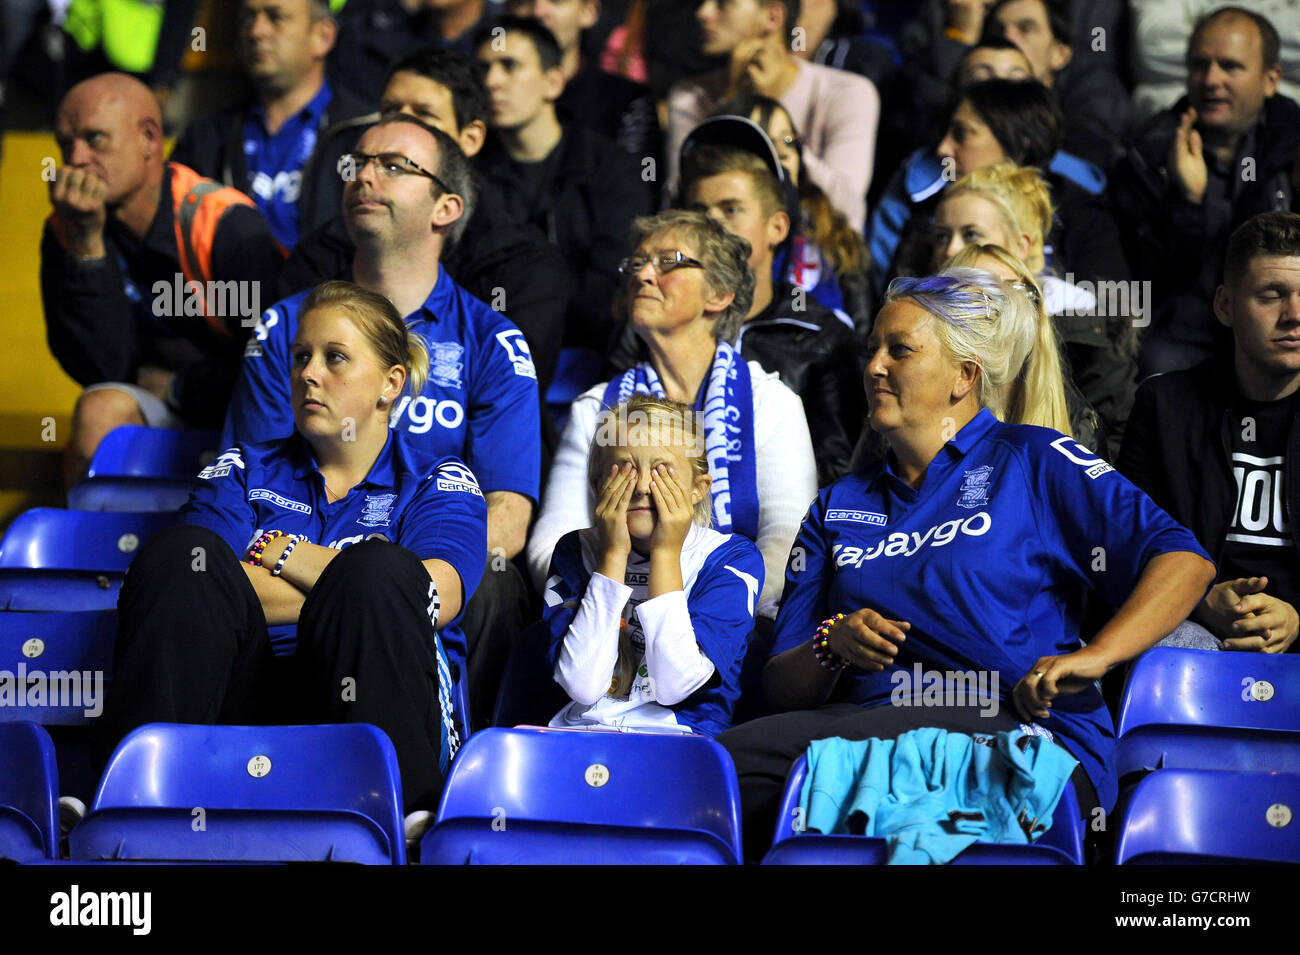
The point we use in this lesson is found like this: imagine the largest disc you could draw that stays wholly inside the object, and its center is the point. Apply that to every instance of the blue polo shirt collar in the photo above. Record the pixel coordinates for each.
(382, 473)
(958, 446)
(312, 111)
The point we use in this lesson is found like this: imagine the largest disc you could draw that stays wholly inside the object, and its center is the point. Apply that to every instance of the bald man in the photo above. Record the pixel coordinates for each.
(151, 276)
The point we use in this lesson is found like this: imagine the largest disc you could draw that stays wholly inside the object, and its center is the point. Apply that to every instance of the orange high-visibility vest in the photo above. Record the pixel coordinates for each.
(198, 205)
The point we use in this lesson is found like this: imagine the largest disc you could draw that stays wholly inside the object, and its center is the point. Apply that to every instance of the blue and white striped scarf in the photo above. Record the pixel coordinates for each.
(728, 408)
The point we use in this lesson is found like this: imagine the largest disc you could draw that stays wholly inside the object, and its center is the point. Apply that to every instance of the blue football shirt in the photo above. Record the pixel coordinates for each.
(275, 162)
(434, 510)
(480, 403)
(990, 561)
(722, 578)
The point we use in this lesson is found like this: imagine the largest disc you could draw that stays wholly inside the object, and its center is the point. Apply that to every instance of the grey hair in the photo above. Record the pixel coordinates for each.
(725, 257)
(980, 320)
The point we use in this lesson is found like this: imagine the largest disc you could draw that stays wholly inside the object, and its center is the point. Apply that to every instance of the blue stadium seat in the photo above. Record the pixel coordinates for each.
(576, 370)
(1062, 844)
(322, 794)
(528, 696)
(1200, 709)
(69, 656)
(29, 794)
(52, 559)
(144, 469)
(538, 796)
(1198, 816)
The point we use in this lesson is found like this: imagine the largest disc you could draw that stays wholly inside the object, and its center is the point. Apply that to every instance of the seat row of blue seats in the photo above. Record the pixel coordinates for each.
(1182, 710)
(179, 793)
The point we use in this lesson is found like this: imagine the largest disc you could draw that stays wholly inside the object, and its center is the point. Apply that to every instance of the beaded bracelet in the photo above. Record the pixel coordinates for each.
(822, 645)
(256, 549)
(294, 540)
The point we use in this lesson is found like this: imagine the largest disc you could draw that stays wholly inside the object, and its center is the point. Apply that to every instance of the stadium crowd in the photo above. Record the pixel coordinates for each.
(1023, 308)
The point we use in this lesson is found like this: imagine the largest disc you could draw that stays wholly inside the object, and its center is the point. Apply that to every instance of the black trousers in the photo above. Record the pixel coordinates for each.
(765, 749)
(494, 617)
(193, 647)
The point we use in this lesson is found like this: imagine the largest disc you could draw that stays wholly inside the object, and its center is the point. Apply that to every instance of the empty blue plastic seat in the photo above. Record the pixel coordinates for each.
(29, 794)
(1061, 844)
(1197, 816)
(52, 559)
(577, 797)
(1199, 709)
(67, 657)
(144, 469)
(248, 793)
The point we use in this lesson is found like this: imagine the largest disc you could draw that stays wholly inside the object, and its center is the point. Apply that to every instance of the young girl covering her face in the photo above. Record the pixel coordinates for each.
(649, 611)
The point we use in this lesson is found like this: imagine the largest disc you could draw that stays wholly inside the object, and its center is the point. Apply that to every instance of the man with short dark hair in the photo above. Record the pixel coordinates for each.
(264, 145)
(1223, 153)
(605, 102)
(497, 260)
(1218, 446)
(408, 190)
(1087, 85)
(733, 175)
(834, 112)
(128, 235)
(575, 185)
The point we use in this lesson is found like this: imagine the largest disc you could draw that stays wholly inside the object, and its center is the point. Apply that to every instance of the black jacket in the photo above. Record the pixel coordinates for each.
(819, 358)
(613, 106)
(1178, 448)
(585, 211)
(102, 326)
(508, 266)
(1085, 244)
(1166, 235)
(214, 147)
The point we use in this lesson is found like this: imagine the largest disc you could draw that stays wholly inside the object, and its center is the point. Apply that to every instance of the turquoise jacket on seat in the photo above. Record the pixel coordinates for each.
(932, 793)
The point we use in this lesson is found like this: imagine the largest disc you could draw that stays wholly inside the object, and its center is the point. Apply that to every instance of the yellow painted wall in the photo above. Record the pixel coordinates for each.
(34, 391)
(32, 385)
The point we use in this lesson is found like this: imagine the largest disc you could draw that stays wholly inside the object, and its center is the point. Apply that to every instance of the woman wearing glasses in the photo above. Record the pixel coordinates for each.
(685, 292)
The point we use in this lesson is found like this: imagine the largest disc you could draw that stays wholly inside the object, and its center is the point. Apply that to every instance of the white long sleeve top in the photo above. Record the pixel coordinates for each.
(786, 477)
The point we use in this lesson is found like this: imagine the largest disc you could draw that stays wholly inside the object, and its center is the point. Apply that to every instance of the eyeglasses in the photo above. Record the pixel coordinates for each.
(663, 262)
(390, 165)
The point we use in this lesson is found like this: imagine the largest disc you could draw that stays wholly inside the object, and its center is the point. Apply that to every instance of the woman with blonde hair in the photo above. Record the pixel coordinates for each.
(337, 557)
(649, 611)
(966, 552)
(1042, 393)
(1011, 206)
